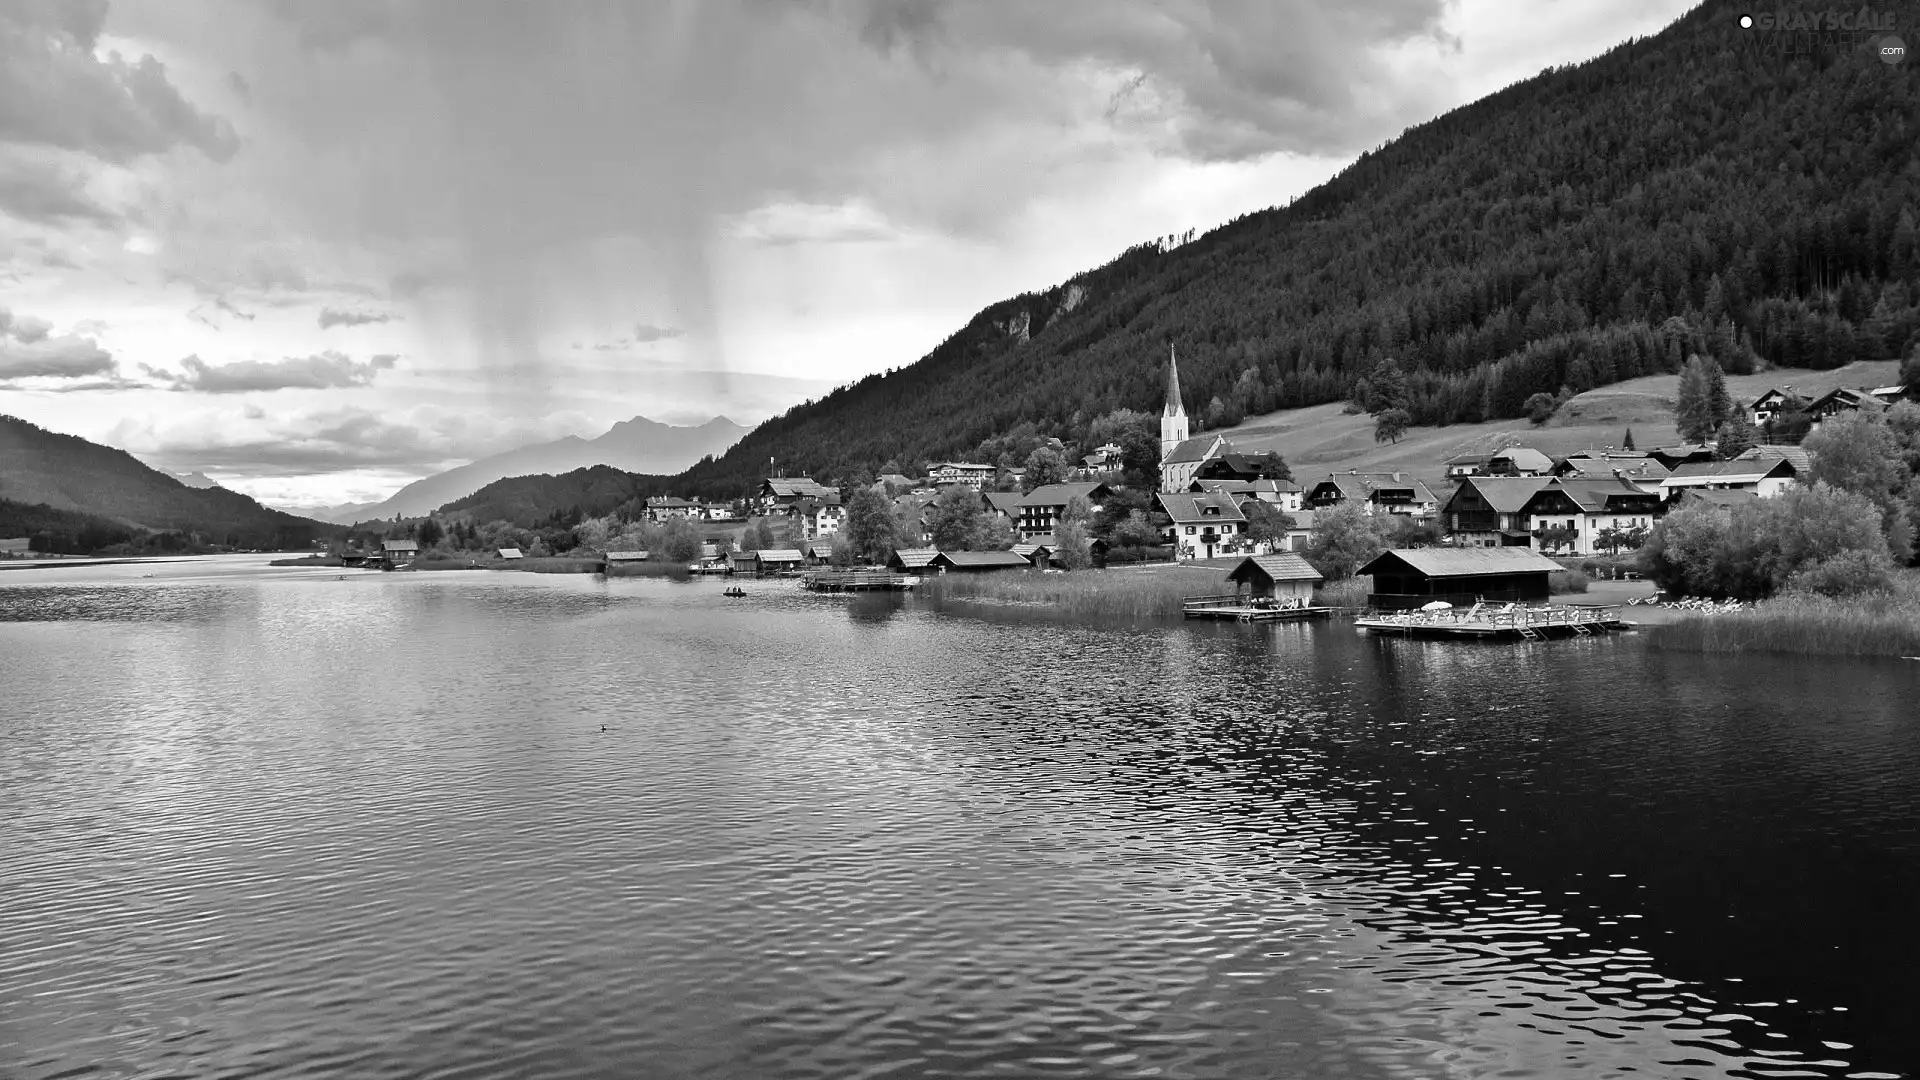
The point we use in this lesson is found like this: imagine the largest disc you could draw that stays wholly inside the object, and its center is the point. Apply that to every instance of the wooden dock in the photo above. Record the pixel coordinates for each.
(1244, 608)
(841, 581)
(1497, 622)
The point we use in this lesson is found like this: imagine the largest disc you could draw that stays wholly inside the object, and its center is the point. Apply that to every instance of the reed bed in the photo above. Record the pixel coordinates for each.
(1346, 593)
(1568, 581)
(551, 564)
(1877, 624)
(1146, 593)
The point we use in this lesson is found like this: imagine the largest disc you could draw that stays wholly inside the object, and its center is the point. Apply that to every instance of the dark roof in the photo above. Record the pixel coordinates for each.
(1189, 506)
(1007, 502)
(795, 487)
(915, 557)
(1593, 496)
(1849, 396)
(1359, 485)
(1198, 448)
(983, 558)
(1173, 383)
(1505, 494)
(1285, 566)
(1795, 456)
(1739, 469)
(1062, 494)
(1464, 562)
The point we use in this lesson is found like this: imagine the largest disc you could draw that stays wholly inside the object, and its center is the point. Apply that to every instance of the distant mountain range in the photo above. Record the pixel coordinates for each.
(196, 479)
(89, 483)
(638, 445)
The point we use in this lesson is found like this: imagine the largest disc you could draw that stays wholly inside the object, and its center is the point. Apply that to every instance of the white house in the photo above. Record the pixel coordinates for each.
(1205, 525)
(1769, 476)
(961, 472)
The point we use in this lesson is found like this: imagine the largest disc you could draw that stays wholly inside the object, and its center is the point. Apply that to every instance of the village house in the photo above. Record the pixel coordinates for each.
(1842, 399)
(1519, 461)
(1672, 457)
(780, 492)
(1796, 458)
(1468, 465)
(1282, 495)
(1205, 525)
(1768, 476)
(1229, 463)
(1774, 404)
(1384, 493)
(1599, 465)
(662, 507)
(1890, 395)
(1104, 459)
(1003, 504)
(1042, 508)
(915, 511)
(716, 511)
(816, 518)
(961, 472)
(1718, 499)
(1460, 576)
(1488, 511)
(1591, 510)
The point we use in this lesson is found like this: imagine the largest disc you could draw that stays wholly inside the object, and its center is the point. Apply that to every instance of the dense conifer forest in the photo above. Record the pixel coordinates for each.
(1595, 223)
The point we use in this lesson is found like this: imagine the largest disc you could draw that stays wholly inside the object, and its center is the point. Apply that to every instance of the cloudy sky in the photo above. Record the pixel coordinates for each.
(318, 249)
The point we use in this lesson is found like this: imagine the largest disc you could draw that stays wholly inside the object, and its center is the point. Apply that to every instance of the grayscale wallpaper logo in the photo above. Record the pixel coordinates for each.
(1804, 32)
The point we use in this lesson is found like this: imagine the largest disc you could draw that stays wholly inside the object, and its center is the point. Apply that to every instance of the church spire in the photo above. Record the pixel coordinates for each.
(1174, 405)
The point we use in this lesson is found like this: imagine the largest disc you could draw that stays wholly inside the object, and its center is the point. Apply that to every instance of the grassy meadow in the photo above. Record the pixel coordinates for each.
(1323, 439)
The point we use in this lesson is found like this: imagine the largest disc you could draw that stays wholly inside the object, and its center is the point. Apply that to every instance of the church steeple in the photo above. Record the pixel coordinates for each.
(1174, 405)
(1174, 429)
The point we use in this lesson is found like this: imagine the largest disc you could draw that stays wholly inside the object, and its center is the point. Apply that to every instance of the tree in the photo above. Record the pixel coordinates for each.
(1078, 511)
(1135, 533)
(1390, 425)
(1627, 444)
(956, 523)
(870, 526)
(1555, 537)
(1540, 408)
(1267, 524)
(1274, 467)
(1862, 453)
(1814, 539)
(1737, 436)
(1044, 466)
(1386, 388)
(1071, 550)
(1702, 404)
(1344, 538)
(1910, 375)
(679, 540)
(994, 534)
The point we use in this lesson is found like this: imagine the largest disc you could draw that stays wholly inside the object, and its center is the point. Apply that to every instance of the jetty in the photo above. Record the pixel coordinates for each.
(1244, 608)
(841, 581)
(1497, 622)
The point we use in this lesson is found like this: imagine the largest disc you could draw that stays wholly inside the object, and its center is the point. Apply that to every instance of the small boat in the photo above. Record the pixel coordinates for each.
(735, 591)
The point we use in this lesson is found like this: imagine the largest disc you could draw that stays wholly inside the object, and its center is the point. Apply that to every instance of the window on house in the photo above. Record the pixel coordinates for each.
(1190, 530)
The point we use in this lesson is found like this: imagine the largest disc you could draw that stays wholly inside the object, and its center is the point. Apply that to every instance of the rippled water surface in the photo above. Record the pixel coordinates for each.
(279, 823)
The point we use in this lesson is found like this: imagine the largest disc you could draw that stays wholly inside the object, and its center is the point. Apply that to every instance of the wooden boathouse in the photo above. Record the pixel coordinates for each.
(1416, 577)
(1266, 587)
(863, 579)
(1486, 621)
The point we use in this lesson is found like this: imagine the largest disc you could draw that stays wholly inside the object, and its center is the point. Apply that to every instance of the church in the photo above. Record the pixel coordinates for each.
(1182, 455)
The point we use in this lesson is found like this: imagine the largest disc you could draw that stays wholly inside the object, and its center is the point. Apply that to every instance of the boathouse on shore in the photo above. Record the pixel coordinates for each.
(977, 561)
(1416, 577)
(395, 552)
(778, 560)
(1285, 577)
(914, 560)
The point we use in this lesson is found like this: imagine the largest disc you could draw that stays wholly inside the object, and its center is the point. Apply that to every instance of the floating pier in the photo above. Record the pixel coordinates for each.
(838, 581)
(1498, 622)
(1244, 608)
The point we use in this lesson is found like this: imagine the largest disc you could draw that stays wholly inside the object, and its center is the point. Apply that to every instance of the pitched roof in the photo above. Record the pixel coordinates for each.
(399, 545)
(1006, 502)
(818, 548)
(780, 555)
(965, 466)
(510, 553)
(1719, 497)
(1359, 485)
(983, 558)
(1061, 494)
(1198, 448)
(916, 557)
(1593, 496)
(1739, 470)
(626, 556)
(1193, 507)
(1850, 396)
(1601, 466)
(1245, 487)
(784, 487)
(1465, 561)
(1525, 458)
(1795, 456)
(1504, 494)
(1284, 566)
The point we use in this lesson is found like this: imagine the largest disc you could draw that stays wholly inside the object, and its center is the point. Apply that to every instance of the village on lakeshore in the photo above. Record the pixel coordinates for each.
(1476, 539)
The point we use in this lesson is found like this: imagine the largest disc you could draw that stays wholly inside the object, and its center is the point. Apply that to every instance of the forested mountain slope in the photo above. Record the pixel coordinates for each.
(1594, 223)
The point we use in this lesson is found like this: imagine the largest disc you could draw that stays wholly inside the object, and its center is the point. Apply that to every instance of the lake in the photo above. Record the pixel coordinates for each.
(273, 822)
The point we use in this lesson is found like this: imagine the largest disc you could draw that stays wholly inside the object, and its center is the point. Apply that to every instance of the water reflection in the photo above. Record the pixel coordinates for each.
(374, 827)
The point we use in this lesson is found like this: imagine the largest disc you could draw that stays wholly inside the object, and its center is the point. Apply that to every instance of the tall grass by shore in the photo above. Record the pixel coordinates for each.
(1134, 593)
(1878, 624)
